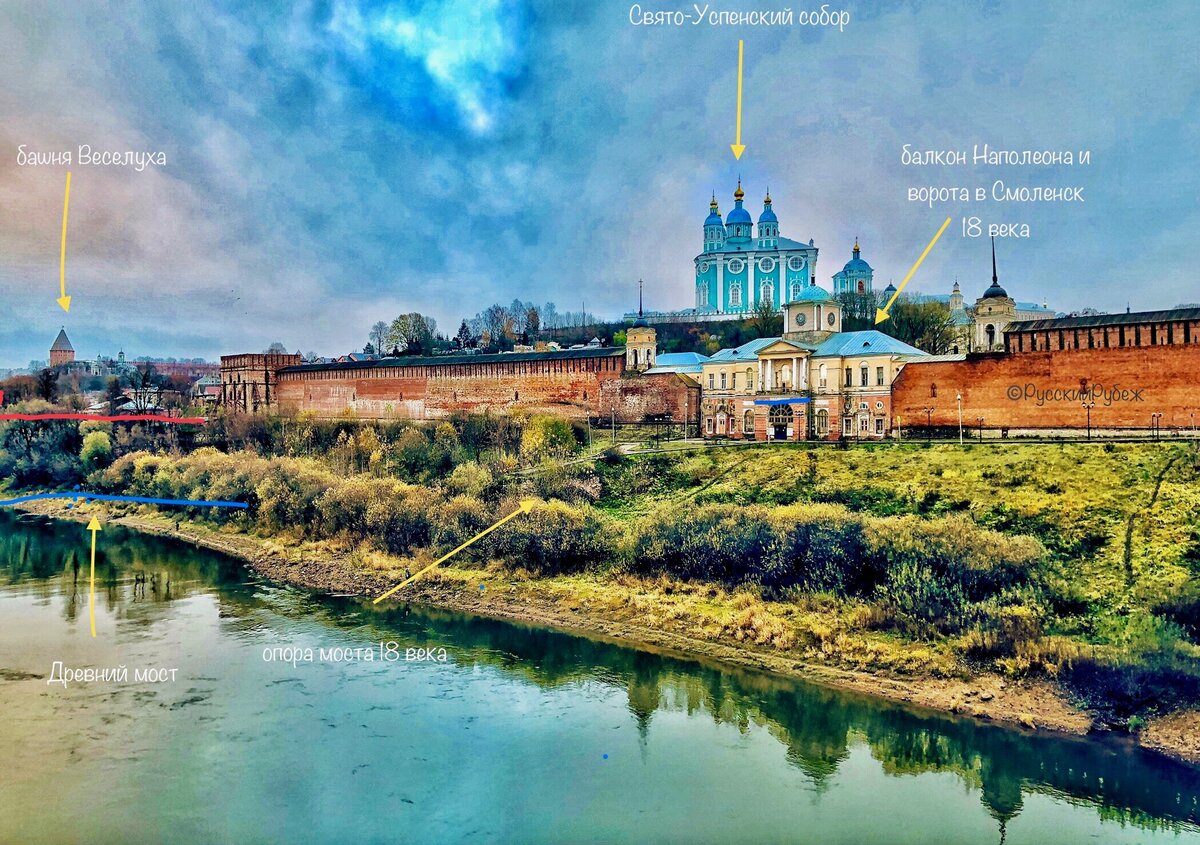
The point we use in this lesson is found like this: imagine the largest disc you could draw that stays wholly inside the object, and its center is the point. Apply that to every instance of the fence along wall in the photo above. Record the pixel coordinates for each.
(1048, 389)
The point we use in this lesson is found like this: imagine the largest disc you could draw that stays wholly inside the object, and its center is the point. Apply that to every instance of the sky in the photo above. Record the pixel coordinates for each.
(331, 164)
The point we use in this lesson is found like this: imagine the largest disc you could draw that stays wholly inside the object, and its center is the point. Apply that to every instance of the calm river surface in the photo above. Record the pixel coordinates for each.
(523, 735)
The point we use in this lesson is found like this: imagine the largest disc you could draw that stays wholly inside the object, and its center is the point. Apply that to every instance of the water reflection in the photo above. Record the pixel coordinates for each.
(818, 725)
(146, 580)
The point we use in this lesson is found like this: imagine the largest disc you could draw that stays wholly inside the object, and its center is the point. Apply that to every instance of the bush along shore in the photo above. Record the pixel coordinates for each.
(1042, 584)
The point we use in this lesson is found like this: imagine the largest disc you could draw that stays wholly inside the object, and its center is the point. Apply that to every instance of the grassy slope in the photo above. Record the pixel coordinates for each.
(1078, 499)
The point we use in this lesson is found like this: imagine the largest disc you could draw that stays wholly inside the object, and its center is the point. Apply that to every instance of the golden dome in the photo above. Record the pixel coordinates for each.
(713, 204)
(739, 193)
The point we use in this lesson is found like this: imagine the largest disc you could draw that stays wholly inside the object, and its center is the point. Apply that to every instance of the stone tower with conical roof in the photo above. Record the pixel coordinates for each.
(61, 351)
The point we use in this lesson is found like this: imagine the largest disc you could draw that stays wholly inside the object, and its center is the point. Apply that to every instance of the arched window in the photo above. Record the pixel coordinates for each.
(991, 336)
(822, 422)
(702, 295)
(735, 293)
(781, 415)
(750, 379)
(822, 371)
(863, 374)
(748, 423)
(933, 391)
(861, 287)
(797, 286)
(766, 292)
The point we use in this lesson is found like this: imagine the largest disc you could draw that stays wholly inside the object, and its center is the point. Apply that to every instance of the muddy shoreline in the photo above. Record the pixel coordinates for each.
(1024, 704)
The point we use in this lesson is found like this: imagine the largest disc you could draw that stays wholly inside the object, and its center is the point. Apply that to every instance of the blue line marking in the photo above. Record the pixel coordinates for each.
(105, 498)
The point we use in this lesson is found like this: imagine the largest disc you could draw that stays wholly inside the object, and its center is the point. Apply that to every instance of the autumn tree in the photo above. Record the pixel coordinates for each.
(412, 333)
(47, 384)
(766, 321)
(858, 311)
(144, 382)
(924, 324)
(378, 336)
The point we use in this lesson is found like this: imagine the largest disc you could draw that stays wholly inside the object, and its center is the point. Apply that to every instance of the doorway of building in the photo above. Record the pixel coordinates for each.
(781, 421)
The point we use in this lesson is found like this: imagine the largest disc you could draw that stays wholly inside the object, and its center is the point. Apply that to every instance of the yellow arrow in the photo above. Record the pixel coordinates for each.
(93, 526)
(63, 299)
(881, 314)
(524, 508)
(737, 146)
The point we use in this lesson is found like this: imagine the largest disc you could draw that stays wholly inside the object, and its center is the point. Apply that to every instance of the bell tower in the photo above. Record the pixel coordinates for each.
(640, 341)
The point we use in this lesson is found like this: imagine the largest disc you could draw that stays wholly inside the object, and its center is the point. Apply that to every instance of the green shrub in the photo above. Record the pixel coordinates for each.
(547, 436)
(458, 520)
(711, 542)
(97, 450)
(555, 538)
(470, 479)
(933, 569)
(822, 549)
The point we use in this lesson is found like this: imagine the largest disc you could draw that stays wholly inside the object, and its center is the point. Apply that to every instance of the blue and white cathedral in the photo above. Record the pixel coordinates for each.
(737, 271)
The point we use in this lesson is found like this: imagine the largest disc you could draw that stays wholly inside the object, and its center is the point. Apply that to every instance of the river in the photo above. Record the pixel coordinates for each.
(521, 734)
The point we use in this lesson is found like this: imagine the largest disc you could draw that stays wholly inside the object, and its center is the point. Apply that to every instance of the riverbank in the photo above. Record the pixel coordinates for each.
(702, 622)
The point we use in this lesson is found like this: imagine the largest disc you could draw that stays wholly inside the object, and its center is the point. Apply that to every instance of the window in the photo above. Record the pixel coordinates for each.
(750, 379)
(822, 375)
(862, 376)
(735, 293)
(933, 391)
(862, 425)
(781, 415)
(748, 423)
(822, 422)
(849, 377)
(709, 426)
(722, 380)
(711, 381)
(733, 380)
(879, 376)
(879, 425)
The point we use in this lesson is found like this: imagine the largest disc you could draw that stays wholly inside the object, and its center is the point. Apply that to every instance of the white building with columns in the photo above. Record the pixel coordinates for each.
(813, 382)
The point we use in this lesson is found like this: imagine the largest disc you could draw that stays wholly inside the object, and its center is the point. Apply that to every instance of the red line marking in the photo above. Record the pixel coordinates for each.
(97, 418)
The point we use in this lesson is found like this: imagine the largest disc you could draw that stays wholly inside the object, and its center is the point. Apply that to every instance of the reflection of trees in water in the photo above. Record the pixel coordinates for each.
(34, 550)
(819, 725)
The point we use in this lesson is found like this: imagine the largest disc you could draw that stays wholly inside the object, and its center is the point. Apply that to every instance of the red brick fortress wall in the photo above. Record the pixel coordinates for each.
(637, 397)
(560, 383)
(1047, 389)
(248, 381)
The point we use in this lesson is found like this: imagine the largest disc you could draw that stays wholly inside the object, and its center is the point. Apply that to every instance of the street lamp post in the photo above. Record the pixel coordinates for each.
(614, 424)
(1088, 407)
(980, 421)
(929, 424)
(958, 399)
(1155, 422)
